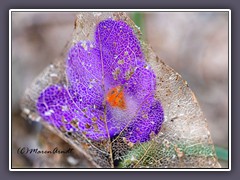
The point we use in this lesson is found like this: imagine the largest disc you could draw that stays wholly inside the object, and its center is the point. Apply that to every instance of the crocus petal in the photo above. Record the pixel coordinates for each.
(145, 124)
(120, 51)
(141, 84)
(84, 74)
(56, 106)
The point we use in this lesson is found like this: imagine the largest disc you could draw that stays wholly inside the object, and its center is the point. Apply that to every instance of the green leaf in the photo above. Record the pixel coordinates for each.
(155, 152)
(221, 153)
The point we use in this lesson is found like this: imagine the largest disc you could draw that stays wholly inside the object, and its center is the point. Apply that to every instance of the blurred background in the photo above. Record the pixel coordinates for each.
(195, 44)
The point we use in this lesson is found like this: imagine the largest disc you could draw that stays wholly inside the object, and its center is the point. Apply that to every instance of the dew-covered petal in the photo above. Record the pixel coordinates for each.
(120, 51)
(142, 84)
(84, 74)
(56, 106)
(84, 71)
(145, 124)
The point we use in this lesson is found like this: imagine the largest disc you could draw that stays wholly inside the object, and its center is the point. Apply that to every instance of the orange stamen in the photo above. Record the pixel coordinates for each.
(115, 97)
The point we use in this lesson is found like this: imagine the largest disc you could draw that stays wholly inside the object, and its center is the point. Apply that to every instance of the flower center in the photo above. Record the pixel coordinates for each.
(115, 97)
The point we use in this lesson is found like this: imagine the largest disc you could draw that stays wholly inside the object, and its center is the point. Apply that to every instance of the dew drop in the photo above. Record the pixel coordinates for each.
(90, 86)
(84, 45)
(49, 112)
(121, 61)
(64, 108)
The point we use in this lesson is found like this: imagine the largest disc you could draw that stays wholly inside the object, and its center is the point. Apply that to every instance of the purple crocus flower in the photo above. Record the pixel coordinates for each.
(110, 88)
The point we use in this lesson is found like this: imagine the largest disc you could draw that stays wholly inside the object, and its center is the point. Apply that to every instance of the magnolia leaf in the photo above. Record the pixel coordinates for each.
(112, 98)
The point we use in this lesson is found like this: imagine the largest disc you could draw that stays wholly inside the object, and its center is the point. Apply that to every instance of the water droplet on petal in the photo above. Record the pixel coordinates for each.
(121, 61)
(90, 86)
(84, 45)
(64, 108)
(49, 112)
